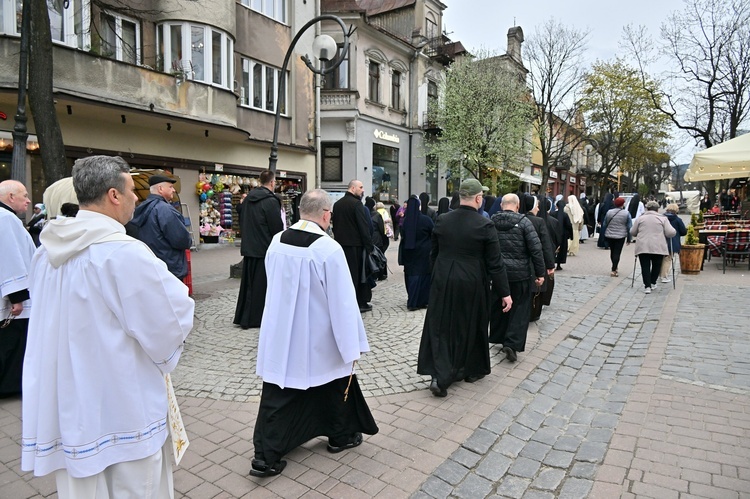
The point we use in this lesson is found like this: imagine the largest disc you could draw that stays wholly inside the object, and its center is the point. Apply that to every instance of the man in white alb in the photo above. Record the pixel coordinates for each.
(109, 320)
(310, 337)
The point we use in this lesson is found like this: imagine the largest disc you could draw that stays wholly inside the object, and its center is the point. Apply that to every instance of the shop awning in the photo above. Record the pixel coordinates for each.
(525, 177)
(730, 159)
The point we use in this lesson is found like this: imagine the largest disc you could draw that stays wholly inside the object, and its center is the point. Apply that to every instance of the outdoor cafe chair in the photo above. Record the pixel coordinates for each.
(735, 246)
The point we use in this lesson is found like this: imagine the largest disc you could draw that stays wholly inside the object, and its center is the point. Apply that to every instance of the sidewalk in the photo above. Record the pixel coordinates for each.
(619, 394)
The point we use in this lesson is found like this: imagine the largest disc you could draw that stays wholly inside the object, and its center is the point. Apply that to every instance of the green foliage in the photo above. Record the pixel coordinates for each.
(691, 239)
(643, 190)
(621, 116)
(484, 113)
(693, 220)
(700, 217)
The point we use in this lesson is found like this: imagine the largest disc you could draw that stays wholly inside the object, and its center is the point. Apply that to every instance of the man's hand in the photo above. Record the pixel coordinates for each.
(539, 281)
(551, 272)
(16, 309)
(507, 303)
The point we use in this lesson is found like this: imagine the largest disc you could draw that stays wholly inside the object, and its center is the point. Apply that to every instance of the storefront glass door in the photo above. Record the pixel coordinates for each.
(385, 173)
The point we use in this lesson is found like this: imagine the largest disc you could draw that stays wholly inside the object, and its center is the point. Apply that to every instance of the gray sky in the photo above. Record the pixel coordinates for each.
(485, 24)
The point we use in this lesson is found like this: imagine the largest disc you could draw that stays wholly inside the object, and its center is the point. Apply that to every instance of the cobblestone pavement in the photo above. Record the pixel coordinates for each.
(619, 394)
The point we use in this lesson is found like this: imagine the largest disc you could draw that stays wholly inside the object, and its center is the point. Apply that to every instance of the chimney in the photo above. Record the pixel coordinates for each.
(515, 39)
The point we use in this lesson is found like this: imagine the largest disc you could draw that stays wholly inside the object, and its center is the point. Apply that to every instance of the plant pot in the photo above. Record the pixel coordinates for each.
(691, 258)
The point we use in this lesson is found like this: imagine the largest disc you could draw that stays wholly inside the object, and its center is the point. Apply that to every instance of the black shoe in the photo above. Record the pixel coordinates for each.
(510, 354)
(558, 268)
(534, 319)
(261, 469)
(365, 308)
(473, 379)
(436, 390)
(357, 441)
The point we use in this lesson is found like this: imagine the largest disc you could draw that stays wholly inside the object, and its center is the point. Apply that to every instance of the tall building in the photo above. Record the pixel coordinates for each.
(374, 107)
(189, 87)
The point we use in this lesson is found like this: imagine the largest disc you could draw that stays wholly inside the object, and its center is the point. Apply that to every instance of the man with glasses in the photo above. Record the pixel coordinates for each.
(16, 250)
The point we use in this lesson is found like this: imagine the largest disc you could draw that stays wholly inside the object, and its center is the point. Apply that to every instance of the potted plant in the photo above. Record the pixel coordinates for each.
(691, 253)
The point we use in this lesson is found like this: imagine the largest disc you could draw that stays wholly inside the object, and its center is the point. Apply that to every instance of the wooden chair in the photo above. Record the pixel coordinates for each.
(735, 246)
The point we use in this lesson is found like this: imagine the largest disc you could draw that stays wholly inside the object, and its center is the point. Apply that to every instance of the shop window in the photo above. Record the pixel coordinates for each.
(338, 79)
(374, 82)
(259, 88)
(333, 164)
(396, 90)
(199, 52)
(385, 173)
(120, 37)
(275, 9)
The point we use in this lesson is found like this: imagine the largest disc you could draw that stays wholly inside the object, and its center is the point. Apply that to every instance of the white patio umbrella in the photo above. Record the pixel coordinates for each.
(730, 159)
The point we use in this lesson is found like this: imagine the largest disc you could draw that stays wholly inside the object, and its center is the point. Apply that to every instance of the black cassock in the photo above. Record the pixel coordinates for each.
(465, 257)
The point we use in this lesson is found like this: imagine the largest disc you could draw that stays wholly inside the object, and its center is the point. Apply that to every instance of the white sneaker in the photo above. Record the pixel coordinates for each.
(653, 287)
(648, 291)
(666, 279)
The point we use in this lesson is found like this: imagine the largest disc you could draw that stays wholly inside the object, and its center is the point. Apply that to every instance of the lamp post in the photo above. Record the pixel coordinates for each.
(20, 133)
(325, 48)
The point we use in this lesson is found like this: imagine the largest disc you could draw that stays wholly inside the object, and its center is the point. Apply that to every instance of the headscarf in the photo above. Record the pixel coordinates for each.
(496, 206)
(411, 218)
(455, 201)
(370, 204)
(443, 206)
(527, 203)
(607, 204)
(575, 210)
(635, 201)
(424, 200)
(488, 202)
(543, 203)
(560, 213)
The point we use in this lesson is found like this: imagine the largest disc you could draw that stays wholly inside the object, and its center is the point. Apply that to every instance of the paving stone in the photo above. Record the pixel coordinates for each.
(535, 450)
(466, 457)
(522, 432)
(548, 479)
(547, 435)
(451, 472)
(531, 419)
(575, 488)
(558, 458)
(592, 452)
(509, 445)
(494, 466)
(513, 486)
(524, 467)
(474, 486)
(584, 470)
(480, 441)
(434, 487)
(568, 443)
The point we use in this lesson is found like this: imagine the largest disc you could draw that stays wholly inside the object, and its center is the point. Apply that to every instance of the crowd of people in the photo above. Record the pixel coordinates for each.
(483, 267)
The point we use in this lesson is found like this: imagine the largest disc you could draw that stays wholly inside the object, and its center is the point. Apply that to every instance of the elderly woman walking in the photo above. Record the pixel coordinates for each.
(651, 231)
(673, 243)
(617, 223)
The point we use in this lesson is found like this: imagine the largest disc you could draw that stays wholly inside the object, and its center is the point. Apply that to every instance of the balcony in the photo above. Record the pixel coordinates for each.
(338, 100)
(429, 125)
(441, 49)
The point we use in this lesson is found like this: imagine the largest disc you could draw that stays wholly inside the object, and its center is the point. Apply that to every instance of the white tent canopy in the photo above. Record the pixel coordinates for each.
(730, 159)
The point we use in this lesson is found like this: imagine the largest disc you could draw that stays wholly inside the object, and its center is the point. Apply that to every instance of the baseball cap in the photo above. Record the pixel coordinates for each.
(471, 187)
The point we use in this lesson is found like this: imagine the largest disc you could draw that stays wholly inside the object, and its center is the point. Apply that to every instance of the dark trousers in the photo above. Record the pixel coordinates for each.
(615, 250)
(510, 328)
(650, 268)
(355, 260)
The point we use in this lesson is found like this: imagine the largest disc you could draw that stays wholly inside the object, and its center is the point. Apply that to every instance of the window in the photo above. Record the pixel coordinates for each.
(396, 90)
(200, 52)
(275, 9)
(260, 87)
(432, 96)
(385, 168)
(68, 26)
(339, 77)
(120, 38)
(431, 27)
(374, 82)
(333, 166)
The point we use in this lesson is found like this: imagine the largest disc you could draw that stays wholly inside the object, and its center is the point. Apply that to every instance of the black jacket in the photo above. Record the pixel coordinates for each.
(548, 250)
(350, 223)
(520, 245)
(260, 221)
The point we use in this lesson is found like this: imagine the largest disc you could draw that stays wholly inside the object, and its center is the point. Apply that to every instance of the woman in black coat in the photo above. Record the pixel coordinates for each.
(414, 255)
(565, 232)
(379, 238)
(554, 232)
(532, 211)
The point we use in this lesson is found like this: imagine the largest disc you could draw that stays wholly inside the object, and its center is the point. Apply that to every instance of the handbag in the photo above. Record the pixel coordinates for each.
(376, 262)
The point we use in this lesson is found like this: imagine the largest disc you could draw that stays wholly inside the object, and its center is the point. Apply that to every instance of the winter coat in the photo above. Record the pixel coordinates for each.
(520, 245)
(651, 231)
(351, 223)
(679, 226)
(260, 221)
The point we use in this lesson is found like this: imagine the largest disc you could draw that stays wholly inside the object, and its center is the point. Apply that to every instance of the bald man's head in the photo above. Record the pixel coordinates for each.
(14, 194)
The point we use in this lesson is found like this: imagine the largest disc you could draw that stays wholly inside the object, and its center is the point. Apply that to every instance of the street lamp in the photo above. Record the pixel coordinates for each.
(325, 49)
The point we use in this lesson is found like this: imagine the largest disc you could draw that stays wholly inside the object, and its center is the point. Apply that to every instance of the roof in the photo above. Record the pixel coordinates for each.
(374, 7)
(340, 6)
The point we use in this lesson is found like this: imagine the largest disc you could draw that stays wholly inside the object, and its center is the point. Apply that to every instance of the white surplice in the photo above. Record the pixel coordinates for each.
(109, 321)
(312, 330)
(16, 250)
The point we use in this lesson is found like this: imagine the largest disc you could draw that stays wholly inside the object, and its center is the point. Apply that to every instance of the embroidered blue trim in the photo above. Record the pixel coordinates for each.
(88, 450)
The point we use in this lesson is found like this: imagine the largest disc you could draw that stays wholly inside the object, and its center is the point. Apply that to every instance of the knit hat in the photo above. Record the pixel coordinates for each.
(620, 202)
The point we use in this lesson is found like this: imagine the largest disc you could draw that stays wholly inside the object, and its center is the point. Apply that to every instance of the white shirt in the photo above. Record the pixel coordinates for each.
(16, 250)
(312, 330)
(109, 321)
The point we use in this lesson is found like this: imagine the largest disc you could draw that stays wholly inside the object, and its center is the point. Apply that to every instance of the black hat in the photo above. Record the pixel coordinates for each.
(158, 179)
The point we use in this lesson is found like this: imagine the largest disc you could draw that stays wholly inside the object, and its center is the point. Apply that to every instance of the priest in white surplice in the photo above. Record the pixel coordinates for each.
(310, 337)
(109, 320)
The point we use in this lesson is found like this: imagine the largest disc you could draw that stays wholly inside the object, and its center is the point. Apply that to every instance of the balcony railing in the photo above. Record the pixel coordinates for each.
(338, 100)
(429, 124)
(440, 49)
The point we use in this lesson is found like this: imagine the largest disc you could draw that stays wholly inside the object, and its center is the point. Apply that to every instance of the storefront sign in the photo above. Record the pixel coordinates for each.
(281, 174)
(218, 167)
(572, 179)
(379, 134)
(552, 174)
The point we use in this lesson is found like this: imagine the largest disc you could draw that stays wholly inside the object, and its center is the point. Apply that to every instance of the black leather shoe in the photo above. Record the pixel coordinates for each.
(436, 390)
(357, 441)
(365, 308)
(510, 354)
(261, 469)
(473, 379)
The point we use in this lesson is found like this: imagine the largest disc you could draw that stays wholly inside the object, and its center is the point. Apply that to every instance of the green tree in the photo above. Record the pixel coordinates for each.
(484, 113)
(630, 131)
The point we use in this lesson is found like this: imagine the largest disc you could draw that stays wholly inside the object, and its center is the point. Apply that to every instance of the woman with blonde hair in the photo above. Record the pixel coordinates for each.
(575, 212)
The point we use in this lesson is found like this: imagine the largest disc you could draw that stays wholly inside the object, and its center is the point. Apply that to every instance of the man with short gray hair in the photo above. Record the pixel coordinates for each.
(109, 321)
(310, 336)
